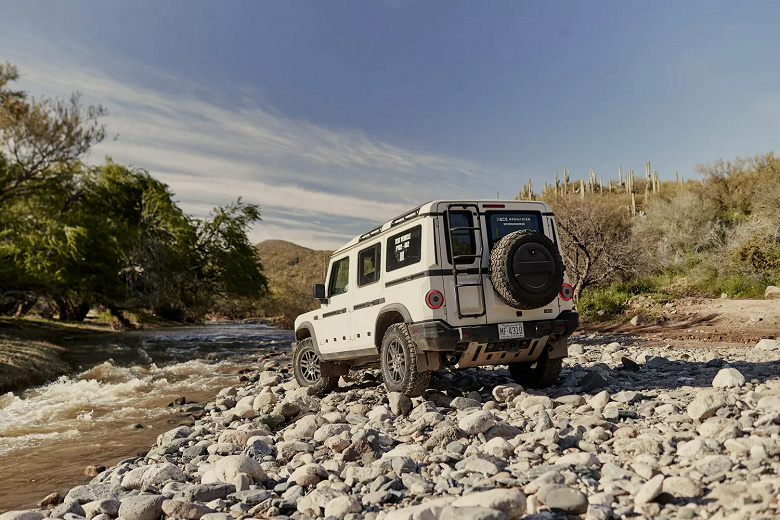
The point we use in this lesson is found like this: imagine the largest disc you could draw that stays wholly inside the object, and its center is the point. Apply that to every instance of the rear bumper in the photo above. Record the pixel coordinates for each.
(439, 336)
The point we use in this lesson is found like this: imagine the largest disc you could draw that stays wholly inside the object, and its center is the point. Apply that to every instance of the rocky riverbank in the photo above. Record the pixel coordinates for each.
(630, 432)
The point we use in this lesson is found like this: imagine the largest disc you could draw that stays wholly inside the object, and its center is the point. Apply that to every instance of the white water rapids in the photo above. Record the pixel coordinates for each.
(49, 434)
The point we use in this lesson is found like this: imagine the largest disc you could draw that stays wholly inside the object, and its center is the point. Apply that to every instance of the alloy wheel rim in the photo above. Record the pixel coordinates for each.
(310, 366)
(396, 361)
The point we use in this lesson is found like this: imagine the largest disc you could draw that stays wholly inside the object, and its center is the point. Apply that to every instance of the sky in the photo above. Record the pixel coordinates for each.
(336, 116)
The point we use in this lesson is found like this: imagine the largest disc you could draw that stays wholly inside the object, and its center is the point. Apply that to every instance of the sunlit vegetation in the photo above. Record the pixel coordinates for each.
(75, 237)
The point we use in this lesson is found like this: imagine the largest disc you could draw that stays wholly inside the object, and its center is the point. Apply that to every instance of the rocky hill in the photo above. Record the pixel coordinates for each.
(291, 270)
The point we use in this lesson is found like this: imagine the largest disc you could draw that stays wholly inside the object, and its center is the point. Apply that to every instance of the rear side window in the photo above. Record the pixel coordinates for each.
(339, 277)
(368, 265)
(501, 223)
(404, 248)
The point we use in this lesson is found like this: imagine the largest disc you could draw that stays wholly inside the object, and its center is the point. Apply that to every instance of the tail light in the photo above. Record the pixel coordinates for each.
(567, 291)
(434, 299)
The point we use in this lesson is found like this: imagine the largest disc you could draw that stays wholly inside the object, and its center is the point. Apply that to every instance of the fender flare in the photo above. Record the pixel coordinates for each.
(306, 325)
(397, 307)
(393, 307)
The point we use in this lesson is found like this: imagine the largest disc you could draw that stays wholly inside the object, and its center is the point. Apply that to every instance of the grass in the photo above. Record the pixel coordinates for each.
(598, 304)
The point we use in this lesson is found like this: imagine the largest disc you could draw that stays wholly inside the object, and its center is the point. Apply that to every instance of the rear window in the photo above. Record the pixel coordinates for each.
(404, 248)
(463, 241)
(501, 223)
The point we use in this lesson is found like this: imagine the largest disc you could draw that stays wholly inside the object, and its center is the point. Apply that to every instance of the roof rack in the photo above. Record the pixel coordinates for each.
(371, 233)
(406, 216)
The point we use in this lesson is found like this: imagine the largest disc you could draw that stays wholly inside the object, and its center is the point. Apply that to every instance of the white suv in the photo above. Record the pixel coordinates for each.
(448, 284)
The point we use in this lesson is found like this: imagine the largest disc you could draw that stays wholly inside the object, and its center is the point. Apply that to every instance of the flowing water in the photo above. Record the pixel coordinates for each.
(49, 434)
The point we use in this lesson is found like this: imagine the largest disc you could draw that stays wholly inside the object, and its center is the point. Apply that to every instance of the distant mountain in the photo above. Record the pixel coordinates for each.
(291, 270)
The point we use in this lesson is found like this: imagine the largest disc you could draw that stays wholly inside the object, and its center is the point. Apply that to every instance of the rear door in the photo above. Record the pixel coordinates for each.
(499, 222)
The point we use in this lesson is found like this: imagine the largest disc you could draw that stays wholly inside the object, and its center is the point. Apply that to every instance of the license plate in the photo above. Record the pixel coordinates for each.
(510, 331)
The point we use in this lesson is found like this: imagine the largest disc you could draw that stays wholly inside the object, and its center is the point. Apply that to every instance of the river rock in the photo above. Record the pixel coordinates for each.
(463, 403)
(152, 475)
(564, 498)
(29, 514)
(430, 509)
(650, 490)
(768, 344)
(92, 492)
(184, 510)
(477, 422)
(714, 465)
(264, 402)
(772, 292)
(227, 468)
(510, 501)
(308, 475)
(177, 433)
(106, 507)
(682, 487)
(206, 492)
(399, 403)
(68, 508)
(471, 513)
(141, 507)
(728, 378)
(706, 405)
(341, 506)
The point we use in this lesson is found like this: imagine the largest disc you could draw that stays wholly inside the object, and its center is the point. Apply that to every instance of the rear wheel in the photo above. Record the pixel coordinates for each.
(541, 373)
(306, 365)
(399, 363)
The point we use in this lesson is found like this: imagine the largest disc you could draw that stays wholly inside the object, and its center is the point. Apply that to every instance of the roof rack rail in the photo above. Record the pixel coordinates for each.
(369, 234)
(406, 216)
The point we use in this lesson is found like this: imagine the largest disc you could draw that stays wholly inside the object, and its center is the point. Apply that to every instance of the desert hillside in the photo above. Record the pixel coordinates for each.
(291, 270)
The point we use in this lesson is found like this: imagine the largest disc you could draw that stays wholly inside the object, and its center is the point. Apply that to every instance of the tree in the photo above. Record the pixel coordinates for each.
(596, 240)
(109, 235)
(43, 138)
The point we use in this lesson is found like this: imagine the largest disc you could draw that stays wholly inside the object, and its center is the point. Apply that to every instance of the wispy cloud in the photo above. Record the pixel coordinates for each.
(317, 186)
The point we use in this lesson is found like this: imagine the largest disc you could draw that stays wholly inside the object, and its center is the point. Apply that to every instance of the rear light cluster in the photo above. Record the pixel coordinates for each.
(567, 291)
(434, 299)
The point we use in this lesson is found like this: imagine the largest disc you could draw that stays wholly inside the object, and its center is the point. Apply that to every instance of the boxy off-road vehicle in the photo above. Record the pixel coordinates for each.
(448, 284)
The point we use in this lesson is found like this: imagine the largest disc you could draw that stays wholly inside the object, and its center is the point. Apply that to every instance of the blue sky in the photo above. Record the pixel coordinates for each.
(335, 116)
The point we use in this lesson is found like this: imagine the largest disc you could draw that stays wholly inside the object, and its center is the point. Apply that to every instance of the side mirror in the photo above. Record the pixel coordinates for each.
(319, 292)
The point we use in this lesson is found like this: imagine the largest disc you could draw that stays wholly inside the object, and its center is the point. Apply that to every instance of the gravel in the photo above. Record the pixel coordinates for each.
(628, 432)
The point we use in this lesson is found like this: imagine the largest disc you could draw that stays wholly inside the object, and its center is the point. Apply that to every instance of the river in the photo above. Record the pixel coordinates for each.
(49, 434)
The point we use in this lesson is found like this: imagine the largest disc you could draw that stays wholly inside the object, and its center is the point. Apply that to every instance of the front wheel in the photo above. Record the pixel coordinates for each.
(399, 363)
(541, 373)
(306, 365)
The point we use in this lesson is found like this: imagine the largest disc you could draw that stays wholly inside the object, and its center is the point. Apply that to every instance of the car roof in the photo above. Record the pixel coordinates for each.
(427, 210)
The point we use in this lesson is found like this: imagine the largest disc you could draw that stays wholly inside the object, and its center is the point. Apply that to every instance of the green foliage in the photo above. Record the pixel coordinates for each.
(608, 302)
(704, 238)
(111, 235)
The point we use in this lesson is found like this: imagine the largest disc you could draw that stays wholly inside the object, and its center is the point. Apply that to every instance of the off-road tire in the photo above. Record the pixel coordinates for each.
(519, 279)
(541, 373)
(399, 363)
(307, 370)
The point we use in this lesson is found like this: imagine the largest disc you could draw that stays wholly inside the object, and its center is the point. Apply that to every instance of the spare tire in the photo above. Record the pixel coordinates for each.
(526, 269)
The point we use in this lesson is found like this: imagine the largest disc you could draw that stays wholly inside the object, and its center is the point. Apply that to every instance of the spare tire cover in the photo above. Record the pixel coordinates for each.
(526, 269)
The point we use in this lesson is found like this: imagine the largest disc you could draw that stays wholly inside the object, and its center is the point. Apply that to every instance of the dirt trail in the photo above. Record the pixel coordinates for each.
(697, 322)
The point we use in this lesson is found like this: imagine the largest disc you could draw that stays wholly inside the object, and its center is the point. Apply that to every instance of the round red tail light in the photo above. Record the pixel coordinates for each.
(434, 299)
(567, 291)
